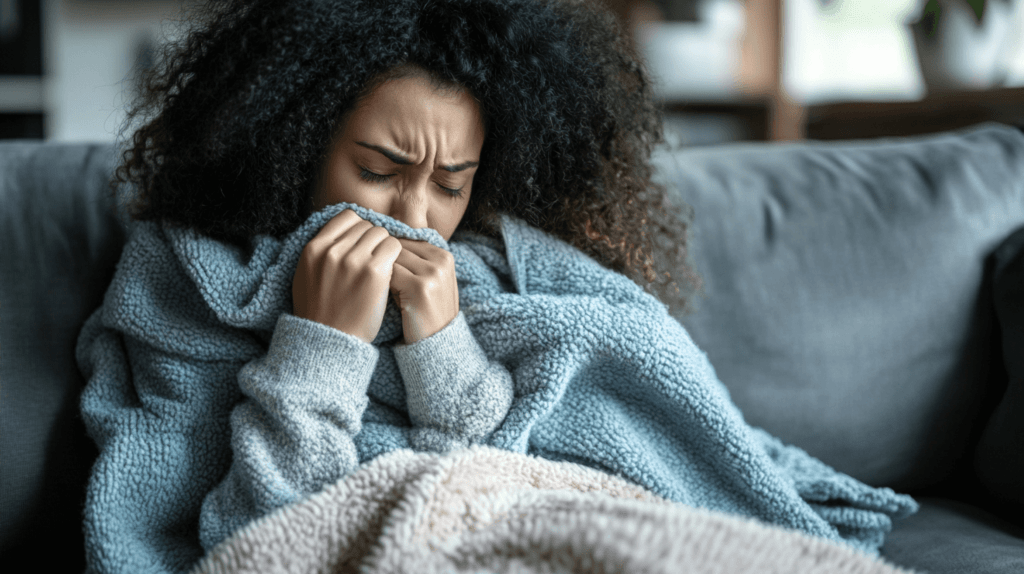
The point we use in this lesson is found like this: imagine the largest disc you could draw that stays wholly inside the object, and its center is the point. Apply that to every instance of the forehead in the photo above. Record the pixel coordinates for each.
(412, 104)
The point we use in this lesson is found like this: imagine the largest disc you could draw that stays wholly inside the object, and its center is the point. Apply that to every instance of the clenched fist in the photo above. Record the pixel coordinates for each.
(346, 272)
(424, 286)
(343, 275)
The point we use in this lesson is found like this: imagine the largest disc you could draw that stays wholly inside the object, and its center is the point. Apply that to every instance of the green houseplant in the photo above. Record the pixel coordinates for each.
(961, 44)
(933, 11)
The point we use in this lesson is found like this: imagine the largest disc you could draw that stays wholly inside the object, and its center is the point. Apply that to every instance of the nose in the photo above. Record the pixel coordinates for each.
(410, 205)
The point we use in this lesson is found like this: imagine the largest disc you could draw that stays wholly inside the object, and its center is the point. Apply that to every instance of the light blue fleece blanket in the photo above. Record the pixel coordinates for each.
(601, 374)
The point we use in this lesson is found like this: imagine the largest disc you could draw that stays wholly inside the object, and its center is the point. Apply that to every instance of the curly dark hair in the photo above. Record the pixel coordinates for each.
(239, 116)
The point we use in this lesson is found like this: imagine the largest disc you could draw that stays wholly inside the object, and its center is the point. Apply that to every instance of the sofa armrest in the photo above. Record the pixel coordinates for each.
(61, 241)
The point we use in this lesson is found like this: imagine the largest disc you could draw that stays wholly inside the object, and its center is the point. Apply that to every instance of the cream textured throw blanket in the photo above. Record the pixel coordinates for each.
(485, 509)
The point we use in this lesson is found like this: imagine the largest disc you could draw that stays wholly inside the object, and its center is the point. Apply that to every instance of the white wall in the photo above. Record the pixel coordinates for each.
(857, 49)
(853, 49)
(88, 51)
(1016, 71)
(862, 49)
(840, 50)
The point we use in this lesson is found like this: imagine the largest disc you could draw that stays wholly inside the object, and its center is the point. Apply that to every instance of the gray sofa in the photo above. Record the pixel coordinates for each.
(863, 300)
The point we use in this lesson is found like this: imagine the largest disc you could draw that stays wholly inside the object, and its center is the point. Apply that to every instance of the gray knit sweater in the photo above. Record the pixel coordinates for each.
(305, 401)
(213, 405)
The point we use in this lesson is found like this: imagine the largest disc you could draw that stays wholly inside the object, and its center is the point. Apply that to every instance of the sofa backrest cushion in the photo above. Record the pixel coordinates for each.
(60, 242)
(845, 307)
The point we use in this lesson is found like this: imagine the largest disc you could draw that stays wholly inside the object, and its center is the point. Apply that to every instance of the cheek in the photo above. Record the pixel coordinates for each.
(340, 186)
(449, 217)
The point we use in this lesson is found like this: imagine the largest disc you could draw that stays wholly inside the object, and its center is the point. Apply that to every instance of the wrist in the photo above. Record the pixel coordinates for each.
(419, 326)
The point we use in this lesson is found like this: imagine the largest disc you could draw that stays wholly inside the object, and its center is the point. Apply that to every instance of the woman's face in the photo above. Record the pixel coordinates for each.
(407, 151)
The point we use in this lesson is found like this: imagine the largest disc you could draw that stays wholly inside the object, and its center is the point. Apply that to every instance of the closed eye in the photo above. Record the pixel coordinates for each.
(381, 178)
(450, 191)
(373, 177)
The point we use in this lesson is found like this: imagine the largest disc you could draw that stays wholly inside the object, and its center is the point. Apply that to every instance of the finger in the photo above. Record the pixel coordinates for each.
(437, 256)
(401, 285)
(340, 223)
(407, 285)
(343, 243)
(441, 268)
(389, 247)
(421, 278)
(356, 247)
(355, 232)
(367, 239)
(413, 262)
(385, 252)
(402, 279)
(332, 231)
(421, 248)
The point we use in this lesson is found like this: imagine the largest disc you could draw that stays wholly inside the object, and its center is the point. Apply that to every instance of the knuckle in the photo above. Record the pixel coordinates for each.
(308, 252)
(424, 289)
(376, 272)
(435, 273)
(338, 257)
(311, 253)
(349, 265)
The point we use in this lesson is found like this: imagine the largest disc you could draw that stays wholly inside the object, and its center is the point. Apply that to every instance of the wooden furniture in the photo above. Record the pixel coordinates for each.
(760, 74)
(859, 120)
(763, 106)
(934, 113)
(767, 112)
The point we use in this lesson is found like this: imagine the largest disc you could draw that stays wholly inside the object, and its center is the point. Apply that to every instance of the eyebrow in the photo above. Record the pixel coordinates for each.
(402, 160)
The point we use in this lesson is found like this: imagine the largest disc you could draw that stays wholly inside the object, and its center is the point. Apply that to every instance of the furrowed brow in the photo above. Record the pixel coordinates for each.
(402, 160)
(460, 166)
(395, 157)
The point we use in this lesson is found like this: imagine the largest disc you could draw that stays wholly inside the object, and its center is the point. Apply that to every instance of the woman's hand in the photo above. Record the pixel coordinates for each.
(343, 276)
(424, 286)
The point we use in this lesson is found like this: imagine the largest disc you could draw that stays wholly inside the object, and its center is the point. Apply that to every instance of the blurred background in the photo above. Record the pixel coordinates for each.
(725, 70)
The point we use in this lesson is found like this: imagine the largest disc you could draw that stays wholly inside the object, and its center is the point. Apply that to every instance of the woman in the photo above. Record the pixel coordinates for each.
(289, 306)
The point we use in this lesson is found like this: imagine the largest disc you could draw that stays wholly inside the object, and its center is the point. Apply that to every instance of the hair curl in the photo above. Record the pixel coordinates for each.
(241, 112)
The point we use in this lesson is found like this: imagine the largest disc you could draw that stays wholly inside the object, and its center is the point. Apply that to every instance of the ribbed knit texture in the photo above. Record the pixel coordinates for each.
(212, 405)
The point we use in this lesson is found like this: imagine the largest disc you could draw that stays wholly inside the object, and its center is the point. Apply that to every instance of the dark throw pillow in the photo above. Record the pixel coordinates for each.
(999, 458)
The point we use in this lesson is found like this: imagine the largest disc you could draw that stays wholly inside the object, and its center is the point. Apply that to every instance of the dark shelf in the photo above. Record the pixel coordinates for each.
(748, 118)
(935, 113)
(21, 43)
(21, 126)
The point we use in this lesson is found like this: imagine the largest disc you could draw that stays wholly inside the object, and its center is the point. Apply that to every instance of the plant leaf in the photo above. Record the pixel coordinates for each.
(979, 8)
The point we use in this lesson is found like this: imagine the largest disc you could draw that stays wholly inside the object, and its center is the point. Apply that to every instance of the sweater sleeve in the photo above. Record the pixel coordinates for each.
(456, 396)
(160, 421)
(293, 432)
(193, 447)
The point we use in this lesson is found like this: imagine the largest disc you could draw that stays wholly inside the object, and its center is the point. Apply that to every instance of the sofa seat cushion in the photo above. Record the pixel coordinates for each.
(948, 537)
(845, 304)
